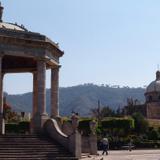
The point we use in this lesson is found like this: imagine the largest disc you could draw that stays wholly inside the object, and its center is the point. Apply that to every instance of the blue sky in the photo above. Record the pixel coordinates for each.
(114, 42)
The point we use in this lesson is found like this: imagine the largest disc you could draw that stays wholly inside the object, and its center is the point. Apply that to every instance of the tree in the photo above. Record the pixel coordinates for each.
(141, 125)
(100, 112)
(97, 113)
(107, 112)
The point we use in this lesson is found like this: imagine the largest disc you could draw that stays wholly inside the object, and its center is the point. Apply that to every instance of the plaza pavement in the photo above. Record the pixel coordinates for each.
(126, 155)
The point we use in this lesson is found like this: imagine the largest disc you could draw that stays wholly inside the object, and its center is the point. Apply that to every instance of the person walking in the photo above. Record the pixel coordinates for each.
(105, 145)
(130, 145)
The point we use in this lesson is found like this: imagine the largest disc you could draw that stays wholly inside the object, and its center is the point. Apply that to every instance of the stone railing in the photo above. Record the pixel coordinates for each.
(88, 143)
(72, 143)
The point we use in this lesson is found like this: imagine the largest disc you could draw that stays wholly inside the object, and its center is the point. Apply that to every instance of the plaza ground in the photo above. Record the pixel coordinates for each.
(126, 155)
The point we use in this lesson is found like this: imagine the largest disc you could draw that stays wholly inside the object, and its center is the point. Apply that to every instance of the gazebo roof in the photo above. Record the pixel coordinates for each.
(11, 26)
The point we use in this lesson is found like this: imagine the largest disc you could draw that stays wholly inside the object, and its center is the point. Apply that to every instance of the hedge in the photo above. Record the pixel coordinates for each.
(148, 144)
(11, 128)
(24, 126)
(124, 123)
(21, 127)
(84, 126)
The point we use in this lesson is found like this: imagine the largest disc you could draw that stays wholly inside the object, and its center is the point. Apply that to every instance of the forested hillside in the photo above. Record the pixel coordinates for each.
(81, 98)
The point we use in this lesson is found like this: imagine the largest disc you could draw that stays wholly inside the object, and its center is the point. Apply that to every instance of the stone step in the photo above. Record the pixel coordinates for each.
(27, 147)
(33, 157)
(11, 150)
(28, 143)
(40, 154)
(46, 158)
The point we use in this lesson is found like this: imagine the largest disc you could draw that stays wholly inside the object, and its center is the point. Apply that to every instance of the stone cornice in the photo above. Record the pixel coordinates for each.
(31, 43)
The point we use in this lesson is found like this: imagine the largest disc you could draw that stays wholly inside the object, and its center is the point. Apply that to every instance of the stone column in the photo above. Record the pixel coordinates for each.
(35, 102)
(41, 115)
(41, 77)
(55, 92)
(2, 123)
(35, 92)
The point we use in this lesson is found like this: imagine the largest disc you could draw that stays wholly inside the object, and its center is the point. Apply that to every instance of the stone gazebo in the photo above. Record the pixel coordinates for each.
(25, 51)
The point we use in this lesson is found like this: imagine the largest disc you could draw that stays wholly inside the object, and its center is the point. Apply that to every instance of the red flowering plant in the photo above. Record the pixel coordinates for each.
(9, 115)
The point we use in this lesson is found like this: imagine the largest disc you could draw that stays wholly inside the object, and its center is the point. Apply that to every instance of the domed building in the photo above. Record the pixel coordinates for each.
(153, 98)
(151, 108)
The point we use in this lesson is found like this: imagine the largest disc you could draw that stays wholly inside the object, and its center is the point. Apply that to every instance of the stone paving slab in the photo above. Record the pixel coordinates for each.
(126, 155)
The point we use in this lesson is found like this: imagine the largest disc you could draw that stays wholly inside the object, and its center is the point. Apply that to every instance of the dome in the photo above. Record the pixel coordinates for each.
(155, 85)
(10, 26)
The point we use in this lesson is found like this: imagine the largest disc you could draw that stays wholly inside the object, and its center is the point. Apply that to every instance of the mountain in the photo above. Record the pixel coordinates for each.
(81, 98)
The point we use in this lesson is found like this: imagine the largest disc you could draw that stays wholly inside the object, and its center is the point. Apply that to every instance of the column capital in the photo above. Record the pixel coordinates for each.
(55, 67)
(41, 59)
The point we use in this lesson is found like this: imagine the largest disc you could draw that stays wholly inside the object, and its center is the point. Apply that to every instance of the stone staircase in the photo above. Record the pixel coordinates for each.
(31, 147)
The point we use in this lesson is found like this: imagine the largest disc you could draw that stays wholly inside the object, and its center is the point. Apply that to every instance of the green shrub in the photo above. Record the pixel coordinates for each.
(120, 123)
(141, 125)
(153, 135)
(147, 144)
(84, 126)
(24, 126)
(21, 127)
(11, 128)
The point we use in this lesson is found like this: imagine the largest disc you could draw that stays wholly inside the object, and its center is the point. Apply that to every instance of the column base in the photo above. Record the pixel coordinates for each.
(37, 123)
(2, 125)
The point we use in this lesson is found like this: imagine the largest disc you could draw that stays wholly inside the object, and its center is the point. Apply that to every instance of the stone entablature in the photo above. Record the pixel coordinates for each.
(16, 49)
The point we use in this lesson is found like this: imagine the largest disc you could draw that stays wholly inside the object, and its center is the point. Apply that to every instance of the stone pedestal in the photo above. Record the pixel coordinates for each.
(93, 144)
(75, 144)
